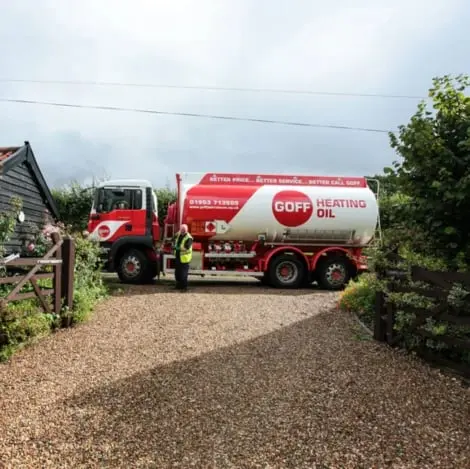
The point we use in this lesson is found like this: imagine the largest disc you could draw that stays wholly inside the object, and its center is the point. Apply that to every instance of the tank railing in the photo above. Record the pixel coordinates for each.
(322, 243)
(312, 240)
(377, 186)
(378, 232)
(346, 236)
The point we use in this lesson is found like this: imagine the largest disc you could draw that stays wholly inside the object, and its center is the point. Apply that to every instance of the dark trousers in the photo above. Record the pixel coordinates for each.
(181, 274)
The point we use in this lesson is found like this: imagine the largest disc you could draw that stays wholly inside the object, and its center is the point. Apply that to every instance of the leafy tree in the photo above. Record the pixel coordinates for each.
(388, 183)
(394, 209)
(434, 171)
(165, 197)
(74, 204)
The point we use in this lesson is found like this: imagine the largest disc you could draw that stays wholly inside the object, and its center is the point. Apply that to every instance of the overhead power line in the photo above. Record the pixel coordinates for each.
(210, 88)
(190, 114)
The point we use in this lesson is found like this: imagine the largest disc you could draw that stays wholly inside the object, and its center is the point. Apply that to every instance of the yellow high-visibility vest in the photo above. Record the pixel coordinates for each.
(185, 254)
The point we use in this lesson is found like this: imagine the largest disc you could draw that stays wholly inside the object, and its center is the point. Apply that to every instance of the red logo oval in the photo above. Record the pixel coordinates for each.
(104, 231)
(292, 208)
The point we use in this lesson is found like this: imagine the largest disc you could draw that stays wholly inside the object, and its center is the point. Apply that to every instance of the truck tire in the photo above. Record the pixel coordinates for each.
(286, 271)
(333, 273)
(133, 267)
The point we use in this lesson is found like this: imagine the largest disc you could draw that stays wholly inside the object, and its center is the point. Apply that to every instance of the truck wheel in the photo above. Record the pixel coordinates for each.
(286, 271)
(133, 267)
(333, 273)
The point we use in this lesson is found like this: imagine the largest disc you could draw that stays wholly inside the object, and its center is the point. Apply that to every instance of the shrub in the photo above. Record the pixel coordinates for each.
(89, 287)
(24, 328)
(8, 222)
(359, 297)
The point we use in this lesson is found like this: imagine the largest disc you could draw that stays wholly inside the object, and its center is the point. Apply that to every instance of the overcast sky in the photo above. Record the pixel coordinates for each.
(378, 46)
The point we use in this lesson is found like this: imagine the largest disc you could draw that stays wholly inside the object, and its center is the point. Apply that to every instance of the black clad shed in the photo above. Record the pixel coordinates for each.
(21, 177)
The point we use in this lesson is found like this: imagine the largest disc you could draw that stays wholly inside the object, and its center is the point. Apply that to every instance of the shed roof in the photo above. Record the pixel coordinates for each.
(10, 157)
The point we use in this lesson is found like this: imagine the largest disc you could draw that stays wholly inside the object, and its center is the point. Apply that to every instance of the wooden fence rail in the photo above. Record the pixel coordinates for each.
(61, 257)
(437, 288)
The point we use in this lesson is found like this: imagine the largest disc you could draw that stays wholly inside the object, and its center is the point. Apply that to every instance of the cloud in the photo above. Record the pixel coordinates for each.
(331, 46)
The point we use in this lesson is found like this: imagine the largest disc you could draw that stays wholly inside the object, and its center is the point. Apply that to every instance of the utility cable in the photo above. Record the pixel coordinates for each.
(191, 114)
(211, 88)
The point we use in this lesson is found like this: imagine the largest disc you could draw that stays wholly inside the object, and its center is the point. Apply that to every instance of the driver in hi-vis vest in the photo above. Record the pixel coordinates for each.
(183, 251)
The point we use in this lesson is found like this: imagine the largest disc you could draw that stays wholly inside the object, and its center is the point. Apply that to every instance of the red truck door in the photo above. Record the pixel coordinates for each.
(119, 212)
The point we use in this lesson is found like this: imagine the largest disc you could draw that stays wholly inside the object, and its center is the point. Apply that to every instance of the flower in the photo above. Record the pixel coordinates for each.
(49, 229)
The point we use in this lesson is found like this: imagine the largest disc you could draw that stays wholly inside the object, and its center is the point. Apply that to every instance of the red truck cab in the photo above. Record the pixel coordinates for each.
(124, 219)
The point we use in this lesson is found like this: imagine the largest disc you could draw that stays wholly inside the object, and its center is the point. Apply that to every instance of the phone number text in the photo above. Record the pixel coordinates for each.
(214, 203)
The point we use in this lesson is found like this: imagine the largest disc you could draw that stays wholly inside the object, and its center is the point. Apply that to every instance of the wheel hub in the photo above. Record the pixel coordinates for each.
(336, 274)
(287, 272)
(132, 266)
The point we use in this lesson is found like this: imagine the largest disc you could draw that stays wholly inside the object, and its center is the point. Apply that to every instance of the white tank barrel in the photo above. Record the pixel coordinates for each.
(278, 208)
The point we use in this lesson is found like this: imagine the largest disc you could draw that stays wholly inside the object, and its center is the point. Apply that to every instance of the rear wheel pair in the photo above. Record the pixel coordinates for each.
(287, 271)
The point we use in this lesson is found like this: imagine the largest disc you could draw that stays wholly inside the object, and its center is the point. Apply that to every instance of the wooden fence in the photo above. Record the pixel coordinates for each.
(61, 257)
(436, 287)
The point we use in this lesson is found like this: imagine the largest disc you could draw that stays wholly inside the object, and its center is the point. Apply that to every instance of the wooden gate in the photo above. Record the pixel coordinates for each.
(61, 257)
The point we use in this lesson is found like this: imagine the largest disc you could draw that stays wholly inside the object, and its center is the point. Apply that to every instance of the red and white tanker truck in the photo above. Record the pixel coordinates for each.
(287, 231)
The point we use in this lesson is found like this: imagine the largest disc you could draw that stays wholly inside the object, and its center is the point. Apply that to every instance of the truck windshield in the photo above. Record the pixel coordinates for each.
(109, 199)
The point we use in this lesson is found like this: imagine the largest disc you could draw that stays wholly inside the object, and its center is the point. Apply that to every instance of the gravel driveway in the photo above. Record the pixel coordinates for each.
(226, 376)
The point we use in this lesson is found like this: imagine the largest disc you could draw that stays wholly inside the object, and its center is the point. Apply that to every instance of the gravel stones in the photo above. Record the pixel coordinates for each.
(226, 376)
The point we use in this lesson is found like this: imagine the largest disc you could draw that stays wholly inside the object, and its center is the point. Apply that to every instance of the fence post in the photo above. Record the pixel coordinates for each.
(57, 276)
(390, 308)
(379, 325)
(68, 269)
